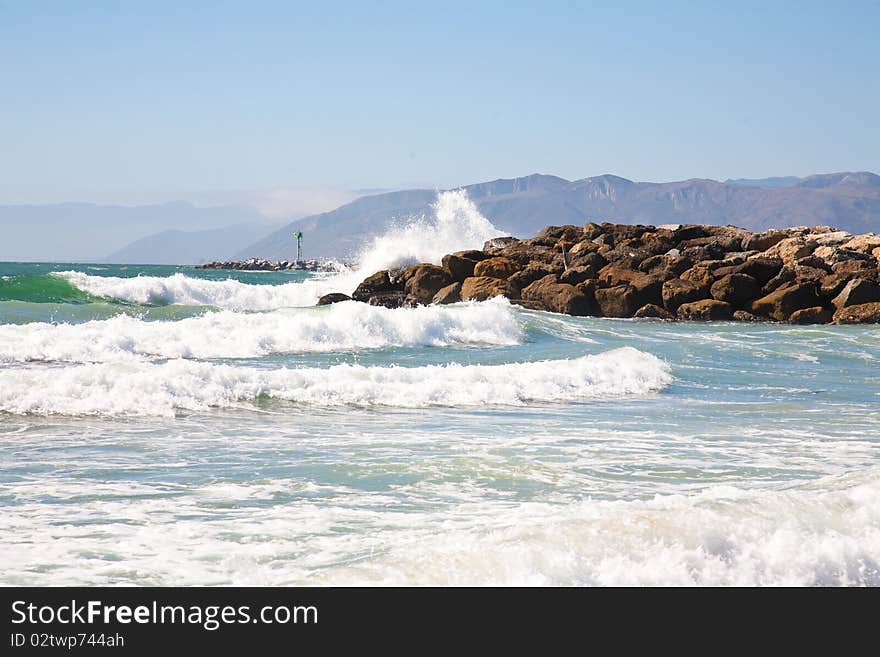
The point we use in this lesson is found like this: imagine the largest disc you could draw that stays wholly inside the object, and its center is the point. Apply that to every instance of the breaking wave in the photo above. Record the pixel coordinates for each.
(347, 326)
(143, 388)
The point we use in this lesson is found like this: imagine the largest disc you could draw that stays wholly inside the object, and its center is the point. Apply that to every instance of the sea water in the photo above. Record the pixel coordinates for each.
(174, 426)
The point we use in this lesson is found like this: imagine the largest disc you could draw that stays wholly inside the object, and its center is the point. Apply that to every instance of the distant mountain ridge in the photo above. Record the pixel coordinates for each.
(521, 206)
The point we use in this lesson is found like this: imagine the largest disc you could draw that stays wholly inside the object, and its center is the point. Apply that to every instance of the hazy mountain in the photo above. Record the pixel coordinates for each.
(521, 206)
(177, 247)
(85, 231)
(777, 181)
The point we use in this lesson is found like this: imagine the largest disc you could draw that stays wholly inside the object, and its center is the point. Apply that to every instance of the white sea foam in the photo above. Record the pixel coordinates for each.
(454, 225)
(144, 388)
(137, 534)
(341, 327)
(181, 289)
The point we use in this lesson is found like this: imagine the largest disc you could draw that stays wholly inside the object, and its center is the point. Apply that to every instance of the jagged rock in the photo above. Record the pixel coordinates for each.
(393, 299)
(559, 297)
(449, 294)
(378, 283)
(831, 285)
(856, 292)
(832, 238)
(461, 263)
(781, 303)
(765, 240)
(745, 316)
(624, 300)
(852, 266)
(576, 275)
(735, 289)
(653, 311)
(866, 313)
(497, 267)
(677, 291)
(333, 297)
(757, 266)
(425, 280)
(707, 309)
(786, 275)
(814, 315)
(666, 266)
(499, 243)
(480, 288)
(866, 243)
(791, 249)
(527, 276)
(567, 233)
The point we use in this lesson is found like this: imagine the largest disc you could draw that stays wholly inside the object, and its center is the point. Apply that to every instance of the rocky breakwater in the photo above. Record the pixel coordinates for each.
(688, 272)
(259, 264)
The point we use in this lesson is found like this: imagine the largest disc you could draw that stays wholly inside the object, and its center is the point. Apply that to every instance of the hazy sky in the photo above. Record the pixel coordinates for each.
(137, 100)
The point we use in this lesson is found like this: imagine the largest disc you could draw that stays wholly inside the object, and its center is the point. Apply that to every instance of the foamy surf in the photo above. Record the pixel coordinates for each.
(143, 388)
(347, 326)
(455, 224)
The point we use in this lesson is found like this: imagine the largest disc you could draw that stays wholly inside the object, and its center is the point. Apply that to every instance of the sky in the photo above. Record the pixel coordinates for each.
(289, 102)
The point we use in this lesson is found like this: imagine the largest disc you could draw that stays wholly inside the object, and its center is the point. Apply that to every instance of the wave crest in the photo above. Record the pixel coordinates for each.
(142, 388)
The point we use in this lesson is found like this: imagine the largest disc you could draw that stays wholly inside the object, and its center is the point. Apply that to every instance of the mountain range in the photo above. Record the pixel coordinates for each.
(521, 206)
(181, 233)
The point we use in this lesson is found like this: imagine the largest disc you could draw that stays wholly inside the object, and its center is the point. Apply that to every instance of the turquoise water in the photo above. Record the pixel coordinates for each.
(168, 425)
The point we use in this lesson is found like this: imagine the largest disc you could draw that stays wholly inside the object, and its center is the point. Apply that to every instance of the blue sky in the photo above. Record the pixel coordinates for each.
(102, 100)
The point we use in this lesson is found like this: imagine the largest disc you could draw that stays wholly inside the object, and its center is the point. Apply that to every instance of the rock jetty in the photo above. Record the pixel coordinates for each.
(799, 275)
(258, 264)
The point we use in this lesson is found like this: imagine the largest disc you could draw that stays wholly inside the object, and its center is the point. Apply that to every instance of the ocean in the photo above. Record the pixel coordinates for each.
(178, 426)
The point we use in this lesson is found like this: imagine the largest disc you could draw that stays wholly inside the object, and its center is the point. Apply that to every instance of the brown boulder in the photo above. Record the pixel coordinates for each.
(480, 288)
(781, 303)
(735, 289)
(559, 297)
(392, 299)
(449, 294)
(707, 309)
(760, 268)
(624, 300)
(765, 240)
(653, 311)
(665, 266)
(857, 292)
(791, 249)
(461, 263)
(499, 243)
(866, 313)
(497, 267)
(745, 316)
(425, 280)
(378, 283)
(678, 291)
(527, 276)
(865, 243)
(333, 297)
(575, 275)
(814, 315)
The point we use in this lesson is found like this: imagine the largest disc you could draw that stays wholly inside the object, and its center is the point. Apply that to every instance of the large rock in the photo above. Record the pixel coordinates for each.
(378, 283)
(527, 276)
(707, 309)
(392, 299)
(792, 249)
(333, 297)
(449, 294)
(575, 275)
(498, 267)
(678, 291)
(499, 243)
(866, 313)
(461, 263)
(781, 303)
(758, 267)
(425, 281)
(480, 288)
(863, 243)
(559, 297)
(624, 300)
(856, 292)
(814, 315)
(653, 311)
(765, 240)
(736, 289)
